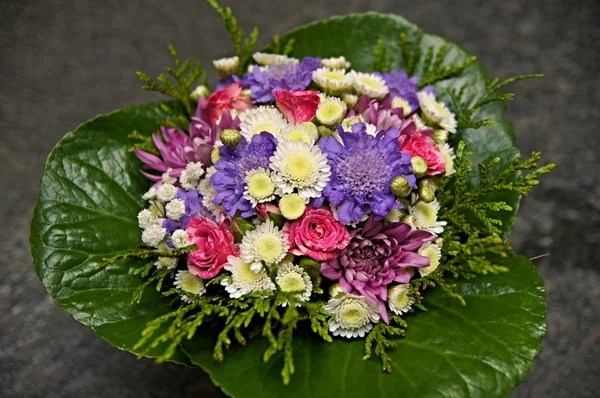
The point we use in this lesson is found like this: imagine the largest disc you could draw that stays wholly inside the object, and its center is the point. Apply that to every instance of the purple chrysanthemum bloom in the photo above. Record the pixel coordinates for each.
(361, 171)
(232, 167)
(376, 257)
(400, 85)
(263, 82)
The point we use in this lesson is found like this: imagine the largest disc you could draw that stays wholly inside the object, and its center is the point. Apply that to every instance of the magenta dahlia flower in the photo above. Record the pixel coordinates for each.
(377, 256)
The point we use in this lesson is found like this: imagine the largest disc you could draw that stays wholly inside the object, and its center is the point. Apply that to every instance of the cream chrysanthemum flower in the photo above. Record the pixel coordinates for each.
(189, 283)
(399, 102)
(265, 245)
(436, 111)
(424, 215)
(300, 132)
(369, 84)
(347, 124)
(434, 253)
(334, 81)
(335, 63)
(419, 123)
(398, 299)
(292, 206)
(300, 167)
(293, 278)
(331, 111)
(199, 92)
(262, 118)
(266, 59)
(350, 99)
(352, 316)
(244, 280)
(226, 66)
(166, 262)
(448, 153)
(260, 186)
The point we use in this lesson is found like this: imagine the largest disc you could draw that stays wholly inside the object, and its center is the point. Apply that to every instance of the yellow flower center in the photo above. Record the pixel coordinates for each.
(370, 82)
(246, 274)
(352, 315)
(269, 247)
(300, 167)
(330, 112)
(261, 186)
(265, 125)
(297, 135)
(334, 75)
(292, 206)
(292, 283)
(401, 300)
(191, 283)
(398, 102)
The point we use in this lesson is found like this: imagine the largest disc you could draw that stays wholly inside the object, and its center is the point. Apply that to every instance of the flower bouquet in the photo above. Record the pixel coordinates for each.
(330, 220)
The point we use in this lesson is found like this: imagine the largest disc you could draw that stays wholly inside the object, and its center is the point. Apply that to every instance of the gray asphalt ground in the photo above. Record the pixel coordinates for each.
(63, 62)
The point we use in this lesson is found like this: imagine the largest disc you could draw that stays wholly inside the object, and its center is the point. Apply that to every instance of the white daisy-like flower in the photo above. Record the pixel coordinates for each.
(336, 291)
(333, 81)
(440, 136)
(352, 316)
(347, 124)
(369, 84)
(434, 253)
(208, 192)
(244, 280)
(399, 102)
(436, 111)
(265, 59)
(260, 186)
(293, 278)
(190, 177)
(179, 238)
(166, 192)
(394, 216)
(448, 153)
(398, 299)
(350, 99)
(146, 219)
(150, 195)
(199, 92)
(226, 66)
(300, 167)
(424, 215)
(331, 111)
(335, 63)
(175, 209)
(419, 123)
(262, 118)
(265, 245)
(153, 235)
(166, 262)
(166, 177)
(189, 283)
(300, 132)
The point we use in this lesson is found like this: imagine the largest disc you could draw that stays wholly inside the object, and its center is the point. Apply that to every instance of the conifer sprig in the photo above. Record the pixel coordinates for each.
(278, 47)
(383, 59)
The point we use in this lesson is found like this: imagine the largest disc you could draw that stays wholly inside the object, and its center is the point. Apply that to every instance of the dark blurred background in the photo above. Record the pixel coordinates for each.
(64, 61)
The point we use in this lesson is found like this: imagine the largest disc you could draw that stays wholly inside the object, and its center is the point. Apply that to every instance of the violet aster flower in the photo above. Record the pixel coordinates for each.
(362, 168)
(400, 85)
(263, 81)
(376, 257)
(232, 167)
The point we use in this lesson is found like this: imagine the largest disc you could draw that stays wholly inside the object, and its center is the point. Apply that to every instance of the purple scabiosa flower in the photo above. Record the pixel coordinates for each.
(377, 256)
(264, 81)
(400, 85)
(362, 167)
(232, 167)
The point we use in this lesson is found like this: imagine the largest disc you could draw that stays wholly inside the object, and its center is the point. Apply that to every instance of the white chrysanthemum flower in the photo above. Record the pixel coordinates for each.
(199, 92)
(398, 299)
(348, 122)
(434, 253)
(394, 216)
(244, 280)
(153, 235)
(179, 238)
(265, 59)
(293, 278)
(369, 84)
(300, 167)
(436, 111)
(150, 195)
(335, 63)
(262, 118)
(331, 111)
(419, 123)
(336, 291)
(166, 192)
(265, 245)
(333, 81)
(190, 177)
(146, 219)
(350, 99)
(448, 153)
(352, 316)
(399, 102)
(175, 209)
(166, 177)
(300, 132)
(166, 262)
(424, 215)
(226, 66)
(189, 283)
(260, 186)
(208, 192)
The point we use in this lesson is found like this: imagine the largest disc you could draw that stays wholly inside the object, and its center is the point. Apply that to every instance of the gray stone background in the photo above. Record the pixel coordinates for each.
(64, 61)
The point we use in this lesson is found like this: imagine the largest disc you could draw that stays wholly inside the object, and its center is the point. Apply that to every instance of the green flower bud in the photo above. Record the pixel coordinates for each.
(230, 137)
(215, 155)
(440, 136)
(439, 242)
(409, 220)
(419, 166)
(405, 202)
(427, 194)
(427, 182)
(324, 131)
(400, 187)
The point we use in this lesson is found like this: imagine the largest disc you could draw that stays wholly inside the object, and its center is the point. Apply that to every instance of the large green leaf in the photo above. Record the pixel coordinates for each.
(481, 350)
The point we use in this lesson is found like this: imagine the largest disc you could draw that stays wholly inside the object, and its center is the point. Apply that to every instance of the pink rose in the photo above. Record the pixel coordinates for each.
(318, 235)
(297, 106)
(420, 145)
(264, 209)
(227, 99)
(215, 244)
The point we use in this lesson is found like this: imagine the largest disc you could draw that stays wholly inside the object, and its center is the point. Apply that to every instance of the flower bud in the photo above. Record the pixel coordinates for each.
(199, 92)
(427, 182)
(419, 166)
(324, 132)
(409, 220)
(440, 136)
(439, 242)
(230, 137)
(427, 194)
(400, 187)
(215, 155)
(292, 206)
